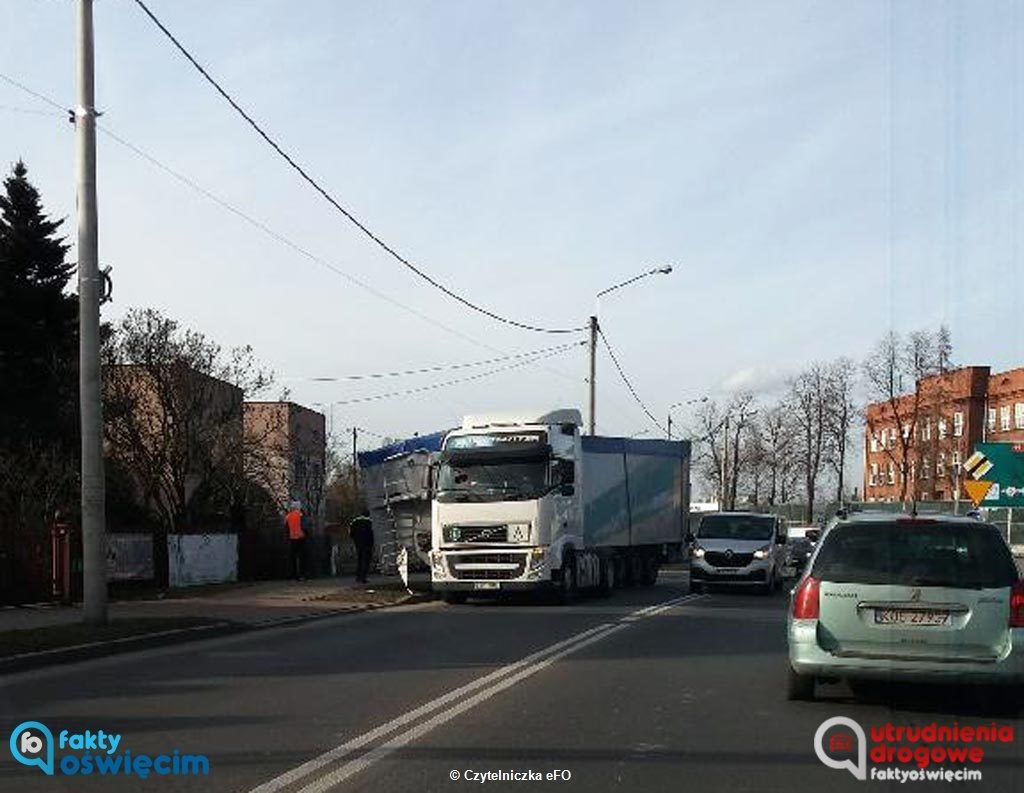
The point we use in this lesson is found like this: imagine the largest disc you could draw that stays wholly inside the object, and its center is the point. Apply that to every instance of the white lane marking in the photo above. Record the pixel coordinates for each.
(328, 781)
(356, 743)
(541, 659)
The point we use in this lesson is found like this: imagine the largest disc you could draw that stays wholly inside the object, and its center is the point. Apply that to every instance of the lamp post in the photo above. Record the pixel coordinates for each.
(594, 329)
(693, 401)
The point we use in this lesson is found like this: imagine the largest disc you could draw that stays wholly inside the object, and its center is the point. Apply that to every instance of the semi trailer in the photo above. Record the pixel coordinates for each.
(526, 502)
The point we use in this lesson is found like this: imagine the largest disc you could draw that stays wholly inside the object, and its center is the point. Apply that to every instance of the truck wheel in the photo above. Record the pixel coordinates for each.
(454, 598)
(608, 581)
(650, 572)
(799, 687)
(567, 581)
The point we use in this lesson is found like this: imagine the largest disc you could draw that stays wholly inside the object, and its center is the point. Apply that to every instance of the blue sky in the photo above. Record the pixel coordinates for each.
(818, 172)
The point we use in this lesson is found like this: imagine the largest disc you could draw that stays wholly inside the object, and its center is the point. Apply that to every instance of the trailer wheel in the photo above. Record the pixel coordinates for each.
(608, 577)
(567, 581)
(649, 576)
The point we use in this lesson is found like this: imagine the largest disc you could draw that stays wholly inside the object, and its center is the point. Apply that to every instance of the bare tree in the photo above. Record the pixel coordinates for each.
(894, 365)
(808, 403)
(773, 439)
(173, 409)
(840, 417)
(740, 412)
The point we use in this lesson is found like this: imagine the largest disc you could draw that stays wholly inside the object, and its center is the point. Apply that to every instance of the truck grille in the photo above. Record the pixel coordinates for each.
(476, 533)
(728, 559)
(486, 566)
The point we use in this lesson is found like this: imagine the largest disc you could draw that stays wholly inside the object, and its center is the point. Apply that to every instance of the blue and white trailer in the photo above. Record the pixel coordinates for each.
(527, 502)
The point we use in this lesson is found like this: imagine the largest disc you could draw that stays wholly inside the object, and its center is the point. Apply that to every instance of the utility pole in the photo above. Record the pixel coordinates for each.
(670, 425)
(592, 418)
(94, 522)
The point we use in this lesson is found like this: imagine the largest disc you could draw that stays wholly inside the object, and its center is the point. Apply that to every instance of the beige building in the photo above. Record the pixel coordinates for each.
(288, 446)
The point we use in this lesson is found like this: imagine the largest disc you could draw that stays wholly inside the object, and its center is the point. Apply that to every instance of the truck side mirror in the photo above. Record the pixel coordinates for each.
(690, 537)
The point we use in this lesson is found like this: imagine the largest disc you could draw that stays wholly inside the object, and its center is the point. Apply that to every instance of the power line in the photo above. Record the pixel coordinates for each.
(435, 386)
(36, 94)
(332, 200)
(265, 229)
(30, 111)
(625, 380)
(440, 367)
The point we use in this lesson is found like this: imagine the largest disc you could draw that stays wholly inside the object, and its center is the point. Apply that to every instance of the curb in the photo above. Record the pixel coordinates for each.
(24, 662)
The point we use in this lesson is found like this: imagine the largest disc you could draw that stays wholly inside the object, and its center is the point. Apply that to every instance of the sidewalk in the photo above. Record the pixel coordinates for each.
(41, 634)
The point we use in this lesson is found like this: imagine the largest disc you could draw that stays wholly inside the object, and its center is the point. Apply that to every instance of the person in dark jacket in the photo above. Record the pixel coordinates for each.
(361, 532)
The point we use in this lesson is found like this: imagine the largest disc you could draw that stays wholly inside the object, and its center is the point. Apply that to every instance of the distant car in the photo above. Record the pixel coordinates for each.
(907, 598)
(798, 552)
(743, 549)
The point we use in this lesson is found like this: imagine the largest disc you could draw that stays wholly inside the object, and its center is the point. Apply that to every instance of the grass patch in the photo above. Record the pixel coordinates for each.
(52, 637)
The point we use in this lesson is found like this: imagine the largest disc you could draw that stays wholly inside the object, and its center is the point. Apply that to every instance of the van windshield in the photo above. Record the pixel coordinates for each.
(737, 527)
(916, 554)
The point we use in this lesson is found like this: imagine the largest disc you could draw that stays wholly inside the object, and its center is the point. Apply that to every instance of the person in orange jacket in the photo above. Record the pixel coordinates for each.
(293, 522)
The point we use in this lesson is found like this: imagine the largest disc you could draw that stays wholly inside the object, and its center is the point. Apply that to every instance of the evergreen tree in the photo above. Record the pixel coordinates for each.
(38, 323)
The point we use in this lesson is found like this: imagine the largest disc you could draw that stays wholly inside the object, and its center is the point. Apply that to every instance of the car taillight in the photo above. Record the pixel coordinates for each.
(805, 599)
(1017, 605)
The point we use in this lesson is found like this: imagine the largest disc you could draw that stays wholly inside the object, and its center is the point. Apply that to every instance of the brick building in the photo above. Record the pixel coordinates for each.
(291, 445)
(914, 445)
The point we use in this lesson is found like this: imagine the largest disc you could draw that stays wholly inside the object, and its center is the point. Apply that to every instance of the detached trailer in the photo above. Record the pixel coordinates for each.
(397, 480)
(526, 502)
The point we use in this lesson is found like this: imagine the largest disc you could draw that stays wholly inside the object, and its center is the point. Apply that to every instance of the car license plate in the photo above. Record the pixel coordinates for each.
(908, 617)
(487, 585)
(726, 570)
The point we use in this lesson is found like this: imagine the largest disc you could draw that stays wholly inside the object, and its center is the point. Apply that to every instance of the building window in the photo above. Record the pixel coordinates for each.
(1018, 415)
(925, 471)
(873, 478)
(892, 438)
(906, 432)
(926, 431)
(992, 419)
(940, 464)
(874, 441)
(892, 474)
(942, 429)
(913, 471)
(1004, 418)
(958, 424)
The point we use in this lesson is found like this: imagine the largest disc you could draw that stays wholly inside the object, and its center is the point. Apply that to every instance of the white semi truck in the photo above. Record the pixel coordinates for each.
(527, 502)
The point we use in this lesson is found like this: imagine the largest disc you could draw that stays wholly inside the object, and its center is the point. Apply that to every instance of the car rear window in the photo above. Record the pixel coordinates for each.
(914, 553)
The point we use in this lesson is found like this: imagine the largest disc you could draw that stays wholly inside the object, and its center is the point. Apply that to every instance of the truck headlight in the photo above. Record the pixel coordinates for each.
(698, 553)
(437, 562)
(763, 553)
(538, 556)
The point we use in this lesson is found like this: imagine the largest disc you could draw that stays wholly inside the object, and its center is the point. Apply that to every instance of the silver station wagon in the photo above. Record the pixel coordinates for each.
(906, 598)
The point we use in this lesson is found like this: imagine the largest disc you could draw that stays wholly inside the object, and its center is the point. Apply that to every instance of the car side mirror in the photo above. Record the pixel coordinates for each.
(690, 537)
(567, 490)
(780, 539)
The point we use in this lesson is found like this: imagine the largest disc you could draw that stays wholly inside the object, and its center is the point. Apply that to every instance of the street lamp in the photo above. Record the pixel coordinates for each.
(693, 401)
(592, 417)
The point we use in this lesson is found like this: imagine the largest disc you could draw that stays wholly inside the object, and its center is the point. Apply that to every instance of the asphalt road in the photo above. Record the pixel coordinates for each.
(648, 690)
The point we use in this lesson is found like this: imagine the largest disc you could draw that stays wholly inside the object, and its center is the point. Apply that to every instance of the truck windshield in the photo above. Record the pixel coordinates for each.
(737, 527)
(491, 480)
